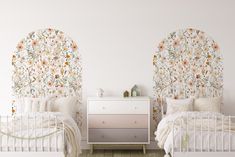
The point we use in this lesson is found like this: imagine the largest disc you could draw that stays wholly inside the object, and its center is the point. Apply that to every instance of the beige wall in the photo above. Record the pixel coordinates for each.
(117, 37)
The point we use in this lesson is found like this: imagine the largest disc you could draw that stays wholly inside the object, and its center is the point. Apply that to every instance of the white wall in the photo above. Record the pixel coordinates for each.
(117, 37)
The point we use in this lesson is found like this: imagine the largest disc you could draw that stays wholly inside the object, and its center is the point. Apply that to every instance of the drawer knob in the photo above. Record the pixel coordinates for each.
(135, 108)
(103, 122)
(103, 108)
(135, 121)
(102, 136)
(135, 136)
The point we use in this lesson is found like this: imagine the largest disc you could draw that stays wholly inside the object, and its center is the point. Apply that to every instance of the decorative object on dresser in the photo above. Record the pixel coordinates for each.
(113, 120)
(135, 91)
(126, 94)
(100, 92)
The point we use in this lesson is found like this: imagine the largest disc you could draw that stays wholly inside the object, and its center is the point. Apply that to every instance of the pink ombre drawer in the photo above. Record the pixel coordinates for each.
(118, 135)
(118, 121)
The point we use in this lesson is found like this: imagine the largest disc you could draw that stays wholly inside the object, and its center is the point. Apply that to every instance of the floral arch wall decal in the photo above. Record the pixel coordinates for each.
(186, 63)
(46, 62)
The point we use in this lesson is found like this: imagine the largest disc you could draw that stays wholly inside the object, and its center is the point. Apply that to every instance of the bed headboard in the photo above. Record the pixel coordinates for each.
(186, 63)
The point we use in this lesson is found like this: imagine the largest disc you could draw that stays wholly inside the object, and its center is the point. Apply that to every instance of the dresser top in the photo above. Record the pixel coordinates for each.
(119, 98)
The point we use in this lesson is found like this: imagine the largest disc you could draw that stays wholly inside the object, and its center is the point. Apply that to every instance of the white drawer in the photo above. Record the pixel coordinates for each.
(118, 107)
(118, 121)
(118, 135)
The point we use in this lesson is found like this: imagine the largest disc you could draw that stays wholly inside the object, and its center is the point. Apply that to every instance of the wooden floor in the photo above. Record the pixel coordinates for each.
(122, 153)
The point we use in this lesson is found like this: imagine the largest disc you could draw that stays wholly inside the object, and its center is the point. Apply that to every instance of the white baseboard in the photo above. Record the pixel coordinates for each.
(152, 145)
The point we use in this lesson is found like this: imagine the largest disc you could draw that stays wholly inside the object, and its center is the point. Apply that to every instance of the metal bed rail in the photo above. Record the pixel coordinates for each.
(25, 133)
(197, 129)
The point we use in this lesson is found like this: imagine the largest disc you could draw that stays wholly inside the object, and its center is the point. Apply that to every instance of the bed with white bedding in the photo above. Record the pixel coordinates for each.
(46, 79)
(192, 132)
(188, 84)
(40, 132)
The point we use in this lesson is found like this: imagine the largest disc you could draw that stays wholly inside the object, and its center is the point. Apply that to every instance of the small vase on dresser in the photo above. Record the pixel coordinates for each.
(115, 121)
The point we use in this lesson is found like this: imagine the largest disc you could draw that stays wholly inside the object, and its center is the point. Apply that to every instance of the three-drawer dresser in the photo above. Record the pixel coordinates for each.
(113, 120)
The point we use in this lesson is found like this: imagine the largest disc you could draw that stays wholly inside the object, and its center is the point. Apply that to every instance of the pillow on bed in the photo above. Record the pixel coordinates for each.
(45, 104)
(212, 104)
(28, 104)
(36, 102)
(178, 105)
(66, 105)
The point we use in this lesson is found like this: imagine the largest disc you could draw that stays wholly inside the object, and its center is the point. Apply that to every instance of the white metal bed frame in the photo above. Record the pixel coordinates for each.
(25, 150)
(209, 152)
(184, 151)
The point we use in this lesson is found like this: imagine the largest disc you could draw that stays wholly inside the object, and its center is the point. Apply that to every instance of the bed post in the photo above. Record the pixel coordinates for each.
(172, 149)
(162, 108)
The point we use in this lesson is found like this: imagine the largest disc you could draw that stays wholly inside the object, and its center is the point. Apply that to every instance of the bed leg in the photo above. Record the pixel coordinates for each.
(144, 149)
(167, 155)
(91, 149)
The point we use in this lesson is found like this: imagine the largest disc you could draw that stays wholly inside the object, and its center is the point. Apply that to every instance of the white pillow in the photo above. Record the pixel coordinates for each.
(43, 107)
(66, 105)
(212, 104)
(45, 104)
(20, 105)
(35, 103)
(27, 105)
(178, 105)
(23, 105)
(31, 104)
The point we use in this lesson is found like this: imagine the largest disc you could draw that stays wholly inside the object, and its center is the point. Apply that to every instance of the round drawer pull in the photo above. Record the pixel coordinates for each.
(135, 136)
(103, 122)
(135, 121)
(103, 108)
(102, 136)
(136, 108)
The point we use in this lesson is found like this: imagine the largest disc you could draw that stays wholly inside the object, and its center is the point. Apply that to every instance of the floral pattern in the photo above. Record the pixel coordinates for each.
(186, 63)
(47, 62)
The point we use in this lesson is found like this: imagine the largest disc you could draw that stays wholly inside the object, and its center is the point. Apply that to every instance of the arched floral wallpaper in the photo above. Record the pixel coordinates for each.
(186, 63)
(46, 62)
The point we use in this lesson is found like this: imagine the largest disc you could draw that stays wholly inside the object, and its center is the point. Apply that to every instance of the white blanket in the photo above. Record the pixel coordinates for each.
(164, 131)
(38, 131)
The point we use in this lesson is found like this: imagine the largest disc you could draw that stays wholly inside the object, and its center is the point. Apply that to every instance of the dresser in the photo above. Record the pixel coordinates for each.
(114, 120)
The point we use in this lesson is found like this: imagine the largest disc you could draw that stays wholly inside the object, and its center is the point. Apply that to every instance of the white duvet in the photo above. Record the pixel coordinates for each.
(42, 134)
(164, 131)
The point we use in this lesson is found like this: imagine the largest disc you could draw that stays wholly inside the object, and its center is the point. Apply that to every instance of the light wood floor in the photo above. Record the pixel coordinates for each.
(122, 153)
